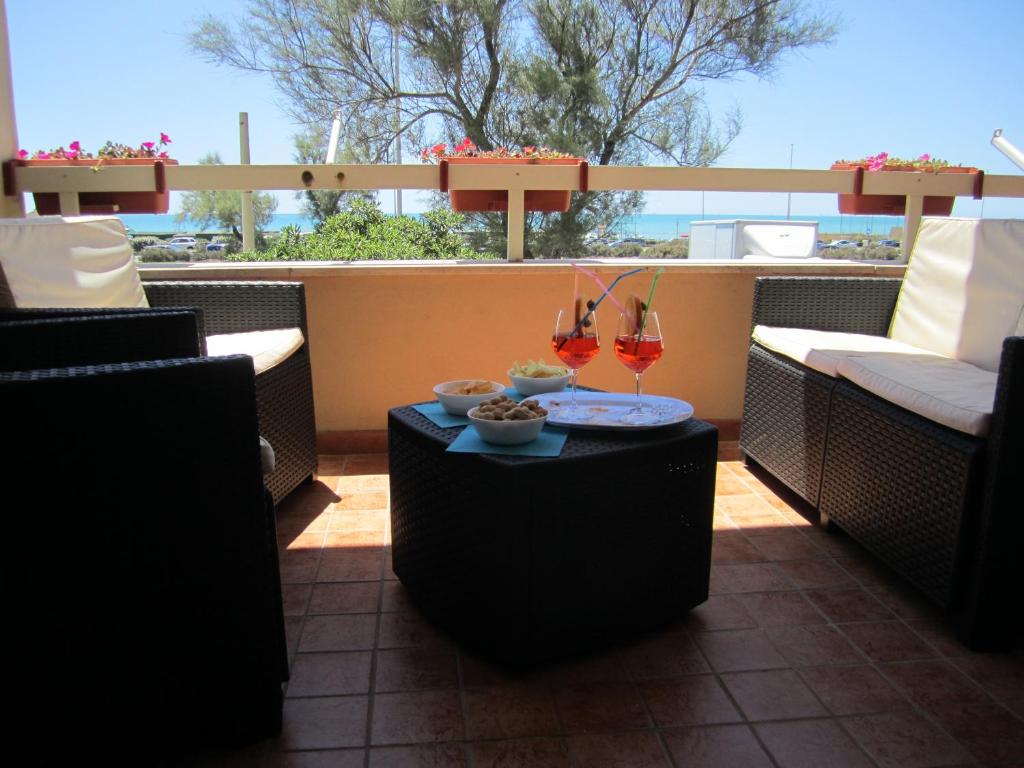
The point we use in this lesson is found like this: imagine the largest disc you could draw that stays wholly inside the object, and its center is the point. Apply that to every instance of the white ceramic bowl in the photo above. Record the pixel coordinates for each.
(457, 405)
(511, 432)
(528, 386)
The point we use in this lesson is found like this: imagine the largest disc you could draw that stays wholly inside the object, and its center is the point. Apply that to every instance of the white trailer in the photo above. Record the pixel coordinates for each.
(740, 238)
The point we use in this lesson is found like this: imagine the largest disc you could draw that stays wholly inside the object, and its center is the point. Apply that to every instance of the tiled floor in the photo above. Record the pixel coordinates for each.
(807, 654)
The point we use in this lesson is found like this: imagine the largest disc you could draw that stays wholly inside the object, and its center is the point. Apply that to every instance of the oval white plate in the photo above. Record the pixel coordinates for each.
(602, 409)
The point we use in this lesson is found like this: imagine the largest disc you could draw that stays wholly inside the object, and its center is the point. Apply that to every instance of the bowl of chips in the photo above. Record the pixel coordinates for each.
(535, 378)
(458, 396)
(503, 421)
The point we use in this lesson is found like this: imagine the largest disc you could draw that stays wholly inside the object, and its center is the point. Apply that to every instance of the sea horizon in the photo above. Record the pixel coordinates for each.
(650, 226)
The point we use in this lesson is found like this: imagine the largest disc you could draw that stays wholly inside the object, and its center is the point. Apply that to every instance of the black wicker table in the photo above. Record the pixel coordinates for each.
(524, 559)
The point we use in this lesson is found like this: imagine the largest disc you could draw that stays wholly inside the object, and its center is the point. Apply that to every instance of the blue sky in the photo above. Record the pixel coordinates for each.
(904, 76)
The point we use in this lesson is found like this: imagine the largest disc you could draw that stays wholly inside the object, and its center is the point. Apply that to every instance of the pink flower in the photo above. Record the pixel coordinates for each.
(75, 146)
(164, 138)
(43, 156)
(162, 155)
(22, 154)
(925, 157)
(466, 146)
(438, 149)
(149, 145)
(71, 154)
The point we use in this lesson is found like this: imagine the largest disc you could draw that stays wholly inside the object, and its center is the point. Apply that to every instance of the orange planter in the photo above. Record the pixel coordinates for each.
(893, 205)
(477, 200)
(158, 201)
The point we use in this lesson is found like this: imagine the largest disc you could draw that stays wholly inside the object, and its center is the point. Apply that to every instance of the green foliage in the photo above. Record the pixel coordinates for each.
(614, 81)
(364, 233)
(670, 249)
(158, 254)
(139, 242)
(320, 204)
(222, 206)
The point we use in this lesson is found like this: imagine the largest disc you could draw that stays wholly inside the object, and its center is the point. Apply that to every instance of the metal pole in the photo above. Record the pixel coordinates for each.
(248, 225)
(1008, 149)
(332, 143)
(9, 206)
(789, 195)
(398, 123)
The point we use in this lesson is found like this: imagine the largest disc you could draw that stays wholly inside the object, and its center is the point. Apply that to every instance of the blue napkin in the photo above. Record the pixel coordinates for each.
(437, 414)
(548, 443)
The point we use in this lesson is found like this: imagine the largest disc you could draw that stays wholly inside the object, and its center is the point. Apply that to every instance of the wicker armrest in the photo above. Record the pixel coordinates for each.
(234, 306)
(1000, 577)
(71, 339)
(847, 304)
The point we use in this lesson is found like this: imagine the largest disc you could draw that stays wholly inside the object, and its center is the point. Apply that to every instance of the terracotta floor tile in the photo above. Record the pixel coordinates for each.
(866, 571)
(395, 597)
(414, 669)
(771, 609)
(298, 566)
(730, 485)
(332, 464)
(295, 598)
(361, 483)
(290, 527)
(940, 636)
(410, 718)
(1002, 675)
(932, 685)
(665, 655)
(788, 545)
(743, 505)
(842, 605)
(739, 650)
(692, 700)
(321, 758)
(888, 641)
(330, 674)
(509, 712)
(813, 645)
(358, 564)
(350, 632)
(904, 601)
(904, 740)
(601, 667)
(716, 746)
(834, 543)
(621, 750)
(521, 753)
(811, 744)
(720, 612)
(481, 673)
(853, 690)
(311, 541)
(324, 723)
(777, 694)
(988, 731)
(814, 574)
(345, 597)
(600, 707)
(292, 633)
(409, 630)
(344, 541)
(767, 523)
(366, 464)
(420, 756)
(734, 548)
(748, 577)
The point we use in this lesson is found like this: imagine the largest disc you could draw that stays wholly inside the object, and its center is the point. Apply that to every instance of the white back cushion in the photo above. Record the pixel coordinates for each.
(74, 261)
(963, 292)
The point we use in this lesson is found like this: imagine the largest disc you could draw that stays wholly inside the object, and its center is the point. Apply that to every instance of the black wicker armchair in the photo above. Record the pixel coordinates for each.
(141, 560)
(284, 393)
(933, 503)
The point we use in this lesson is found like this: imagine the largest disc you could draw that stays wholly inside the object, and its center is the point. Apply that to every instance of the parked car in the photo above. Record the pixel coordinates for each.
(844, 244)
(628, 241)
(181, 243)
(216, 247)
(889, 243)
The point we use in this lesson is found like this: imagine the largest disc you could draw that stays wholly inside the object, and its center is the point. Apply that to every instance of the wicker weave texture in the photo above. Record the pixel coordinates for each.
(903, 487)
(849, 305)
(785, 419)
(235, 307)
(527, 560)
(284, 397)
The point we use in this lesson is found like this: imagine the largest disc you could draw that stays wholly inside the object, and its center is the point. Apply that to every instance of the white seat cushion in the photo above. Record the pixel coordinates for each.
(963, 291)
(949, 392)
(823, 350)
(73, 261)
(266, 348)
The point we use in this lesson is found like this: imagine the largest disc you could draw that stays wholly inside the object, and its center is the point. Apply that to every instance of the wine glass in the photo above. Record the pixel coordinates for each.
(576, 343)
(638, 346)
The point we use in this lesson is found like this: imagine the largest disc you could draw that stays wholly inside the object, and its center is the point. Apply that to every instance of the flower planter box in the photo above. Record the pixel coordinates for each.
(158, 201)
(893, 205)
(496, 200)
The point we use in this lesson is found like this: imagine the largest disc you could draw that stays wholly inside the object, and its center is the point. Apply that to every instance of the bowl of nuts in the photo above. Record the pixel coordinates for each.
(503, 421)
(457, 397)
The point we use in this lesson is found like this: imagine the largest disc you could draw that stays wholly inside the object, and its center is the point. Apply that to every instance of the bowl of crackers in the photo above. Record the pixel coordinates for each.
(458, 396)
(503, 421)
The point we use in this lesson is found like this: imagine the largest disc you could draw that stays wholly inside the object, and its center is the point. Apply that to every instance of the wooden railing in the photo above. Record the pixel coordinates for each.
(68, 181)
